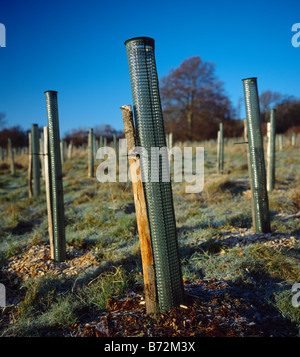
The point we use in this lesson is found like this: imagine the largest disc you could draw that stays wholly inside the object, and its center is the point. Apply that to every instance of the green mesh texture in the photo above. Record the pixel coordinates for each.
(150, 132)
(57, 200)
(256, 151)
(11, 153)
(91, 153)
(271, 165)
(221, 148)
(35, 159)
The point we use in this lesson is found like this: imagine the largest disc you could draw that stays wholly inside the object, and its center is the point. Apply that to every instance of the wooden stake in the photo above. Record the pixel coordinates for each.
(141, 215)
(48, 192)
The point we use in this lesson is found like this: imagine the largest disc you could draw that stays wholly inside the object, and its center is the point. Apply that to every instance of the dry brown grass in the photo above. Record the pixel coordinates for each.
(217, 190)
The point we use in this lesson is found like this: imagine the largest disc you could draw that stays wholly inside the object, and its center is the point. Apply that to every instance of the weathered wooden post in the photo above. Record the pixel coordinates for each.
(150, 133)
(48, 190)
(258, 171)
(56, 180)
(91, 153)
(141, 215)
(12, 160)
(35, 159)
(271, 150)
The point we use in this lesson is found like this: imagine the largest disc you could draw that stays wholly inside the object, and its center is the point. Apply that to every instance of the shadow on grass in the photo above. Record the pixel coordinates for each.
(243, 307)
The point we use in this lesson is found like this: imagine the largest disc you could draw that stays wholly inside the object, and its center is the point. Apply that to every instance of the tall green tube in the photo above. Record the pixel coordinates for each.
(256, 151)
(35, 159)
(220, 157)
(222, 148)
(57, 199)
(150, 132)
(91, 153)
(116, 147)
(218, 152)
(272, 151)
(12, 160)
(95, 147)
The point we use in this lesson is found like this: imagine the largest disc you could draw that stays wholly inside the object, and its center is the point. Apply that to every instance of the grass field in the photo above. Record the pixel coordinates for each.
(237, 283)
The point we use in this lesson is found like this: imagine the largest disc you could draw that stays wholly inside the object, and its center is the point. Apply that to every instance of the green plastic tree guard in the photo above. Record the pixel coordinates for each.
(271, 151)
(35, 159)
(95, 148)
(70, 149)
(116, 147)
(63, 151)
(220, 150)
(57, 199)
(150, 132)
(293, 139)
(91, 153)
(256, 152)
(12, 160)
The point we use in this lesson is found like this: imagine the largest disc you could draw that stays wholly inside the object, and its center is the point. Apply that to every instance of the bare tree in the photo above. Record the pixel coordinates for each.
(193, 100)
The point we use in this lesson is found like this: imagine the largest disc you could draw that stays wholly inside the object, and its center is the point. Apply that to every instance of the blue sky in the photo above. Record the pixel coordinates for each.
(77, 48)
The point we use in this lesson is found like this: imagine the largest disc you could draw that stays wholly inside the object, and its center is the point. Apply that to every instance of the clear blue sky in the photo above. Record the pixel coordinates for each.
(77, 48)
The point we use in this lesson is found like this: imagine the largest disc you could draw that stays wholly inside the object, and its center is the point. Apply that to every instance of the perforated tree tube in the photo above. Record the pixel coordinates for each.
(221, 149)
(57, 199)
(91, 153)
(150, 132)
(12, 161)
(221, 157)
(35, 159)
(272, 153)
(257, 160)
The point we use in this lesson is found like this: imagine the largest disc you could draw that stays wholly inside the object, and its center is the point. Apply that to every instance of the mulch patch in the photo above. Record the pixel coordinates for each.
(213, 308)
